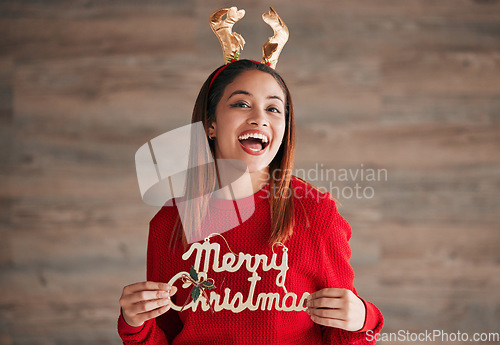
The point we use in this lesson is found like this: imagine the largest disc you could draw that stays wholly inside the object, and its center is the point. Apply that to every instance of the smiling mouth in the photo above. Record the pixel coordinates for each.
(254, 144)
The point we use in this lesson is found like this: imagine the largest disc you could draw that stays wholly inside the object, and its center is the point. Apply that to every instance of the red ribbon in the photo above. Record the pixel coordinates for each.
(199, 285)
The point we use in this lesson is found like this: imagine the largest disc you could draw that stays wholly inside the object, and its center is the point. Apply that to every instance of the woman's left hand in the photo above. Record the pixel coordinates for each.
(339, 308)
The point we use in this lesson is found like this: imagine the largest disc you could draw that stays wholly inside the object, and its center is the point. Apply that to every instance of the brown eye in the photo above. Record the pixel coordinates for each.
(274, 110)
(239, 105)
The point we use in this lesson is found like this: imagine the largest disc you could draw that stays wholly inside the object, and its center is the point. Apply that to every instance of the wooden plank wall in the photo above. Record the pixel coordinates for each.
(408, 87)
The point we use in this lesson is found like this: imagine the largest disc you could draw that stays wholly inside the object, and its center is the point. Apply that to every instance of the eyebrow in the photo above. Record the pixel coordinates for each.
(243, 92)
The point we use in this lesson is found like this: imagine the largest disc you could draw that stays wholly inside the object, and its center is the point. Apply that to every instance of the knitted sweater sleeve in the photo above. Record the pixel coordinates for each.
(339, 274)
(151, 332)
(148, 333)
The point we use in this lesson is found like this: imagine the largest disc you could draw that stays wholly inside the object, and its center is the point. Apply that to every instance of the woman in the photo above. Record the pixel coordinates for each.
(291, 281)
(250, 96)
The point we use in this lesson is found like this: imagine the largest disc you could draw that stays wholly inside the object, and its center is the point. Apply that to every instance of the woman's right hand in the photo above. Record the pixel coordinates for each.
(146, 300)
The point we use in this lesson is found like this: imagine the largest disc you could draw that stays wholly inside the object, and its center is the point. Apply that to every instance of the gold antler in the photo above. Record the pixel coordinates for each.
(231, 42)
(272, 49)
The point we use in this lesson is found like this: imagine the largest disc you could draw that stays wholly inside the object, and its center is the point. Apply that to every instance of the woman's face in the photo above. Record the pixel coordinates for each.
(250, 120)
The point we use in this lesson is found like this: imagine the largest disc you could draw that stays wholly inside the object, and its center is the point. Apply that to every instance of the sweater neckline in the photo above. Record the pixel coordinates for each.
(246, 202)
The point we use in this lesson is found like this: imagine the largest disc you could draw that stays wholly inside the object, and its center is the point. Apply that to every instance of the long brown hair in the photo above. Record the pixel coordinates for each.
(280, 169)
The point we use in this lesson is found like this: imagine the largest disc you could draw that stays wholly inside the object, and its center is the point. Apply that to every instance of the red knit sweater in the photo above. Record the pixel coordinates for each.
(318, 257)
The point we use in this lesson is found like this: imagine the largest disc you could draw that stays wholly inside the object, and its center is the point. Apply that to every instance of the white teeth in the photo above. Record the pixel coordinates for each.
(254, 135)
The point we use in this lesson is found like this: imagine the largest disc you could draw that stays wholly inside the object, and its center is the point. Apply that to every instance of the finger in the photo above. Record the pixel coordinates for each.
(139, 319)
(329, 322)
(173, 290)
(147, 306)
(143, 296)
(148, 285)
(328, 292)
(155, 312)
(338, 314)
(327, 302)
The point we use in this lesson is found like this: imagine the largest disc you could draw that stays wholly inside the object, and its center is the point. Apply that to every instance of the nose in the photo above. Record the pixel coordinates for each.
(258, 117)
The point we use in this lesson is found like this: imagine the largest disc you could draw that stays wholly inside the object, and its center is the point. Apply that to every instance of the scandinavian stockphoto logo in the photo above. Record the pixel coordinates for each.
(177, 167)
(344, 183)
(339, 183)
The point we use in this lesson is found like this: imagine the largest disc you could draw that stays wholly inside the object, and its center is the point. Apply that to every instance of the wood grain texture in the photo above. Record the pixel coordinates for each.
(409, 88)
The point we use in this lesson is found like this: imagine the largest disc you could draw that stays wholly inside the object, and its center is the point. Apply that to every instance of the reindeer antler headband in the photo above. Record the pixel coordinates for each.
(232, 42)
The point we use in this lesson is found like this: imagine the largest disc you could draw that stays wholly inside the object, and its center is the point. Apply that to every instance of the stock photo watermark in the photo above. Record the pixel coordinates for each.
(341, 183)
(358, 180)
(435, 335)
